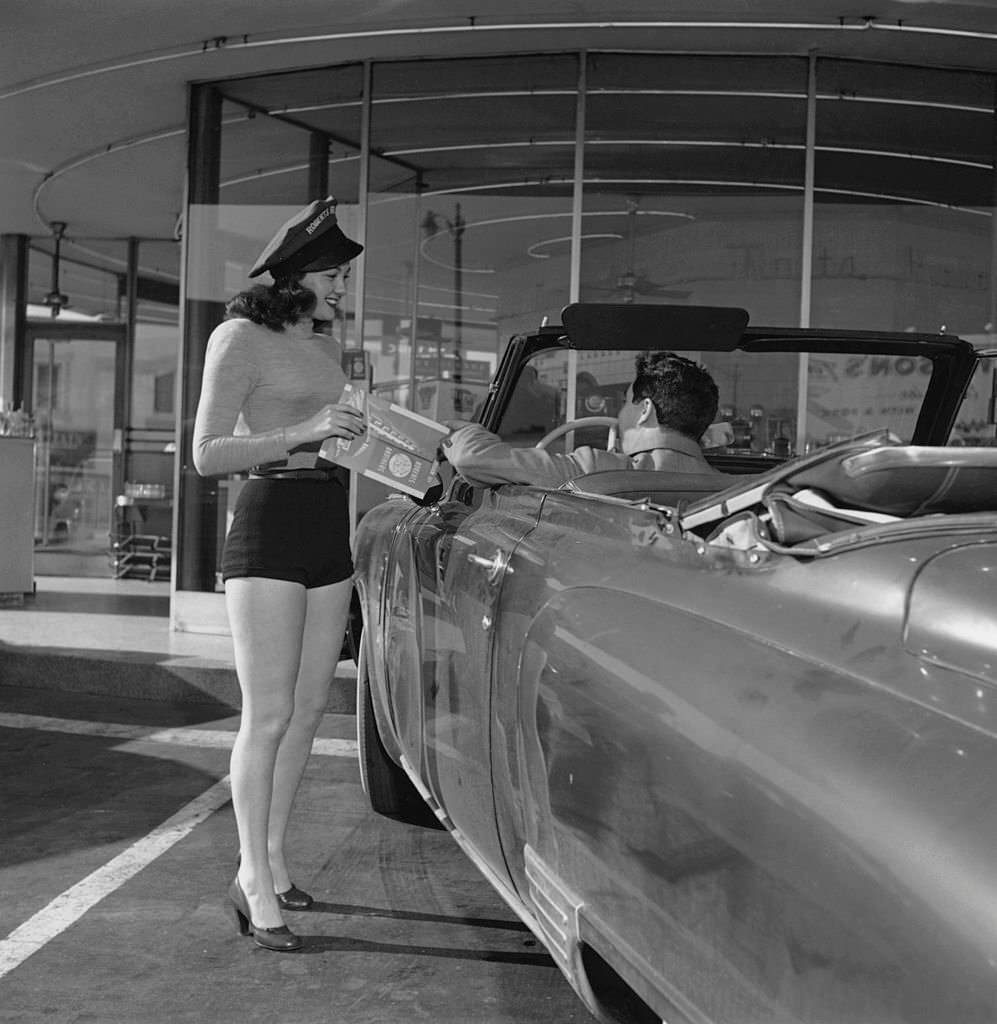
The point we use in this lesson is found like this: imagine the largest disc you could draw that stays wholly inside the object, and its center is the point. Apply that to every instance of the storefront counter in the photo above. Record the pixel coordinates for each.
(17, 532)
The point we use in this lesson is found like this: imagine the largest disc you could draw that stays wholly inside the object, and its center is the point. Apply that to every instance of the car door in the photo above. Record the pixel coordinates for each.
(418, 619)
(472, 557)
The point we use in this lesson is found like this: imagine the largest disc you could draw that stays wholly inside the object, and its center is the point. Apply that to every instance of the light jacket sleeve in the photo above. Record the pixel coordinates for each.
(484, 458)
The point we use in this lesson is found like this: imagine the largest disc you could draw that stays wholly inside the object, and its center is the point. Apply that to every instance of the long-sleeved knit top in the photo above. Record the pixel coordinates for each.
(485, 458)
(257, 382)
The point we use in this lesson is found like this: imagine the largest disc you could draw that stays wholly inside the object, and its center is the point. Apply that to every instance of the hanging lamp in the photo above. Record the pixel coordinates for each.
(56, 300)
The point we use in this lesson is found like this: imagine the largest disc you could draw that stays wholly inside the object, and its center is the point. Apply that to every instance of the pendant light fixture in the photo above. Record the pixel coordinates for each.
(55, 299)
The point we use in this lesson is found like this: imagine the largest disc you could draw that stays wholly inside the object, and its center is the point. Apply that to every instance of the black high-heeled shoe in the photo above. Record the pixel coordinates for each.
(294, 899)
(290, 899)
(280, 940)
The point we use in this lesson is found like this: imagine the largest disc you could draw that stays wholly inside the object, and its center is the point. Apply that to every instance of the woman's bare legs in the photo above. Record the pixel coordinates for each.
(267, 619)
(322, 642)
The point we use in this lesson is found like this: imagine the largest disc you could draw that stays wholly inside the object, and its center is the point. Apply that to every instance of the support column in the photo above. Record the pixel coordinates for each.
(807, 255)
(125, 370)
(417, 241)
(13, 313)
(360, 264)
(577, 209)
(318, 166)
(992, 305)
(363, 197)
(196, 514)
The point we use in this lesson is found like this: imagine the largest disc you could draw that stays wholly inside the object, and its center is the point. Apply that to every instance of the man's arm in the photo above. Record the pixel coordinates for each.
(484, 458)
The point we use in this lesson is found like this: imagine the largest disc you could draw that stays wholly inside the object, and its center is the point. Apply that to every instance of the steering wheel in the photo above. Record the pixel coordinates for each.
(585, 421)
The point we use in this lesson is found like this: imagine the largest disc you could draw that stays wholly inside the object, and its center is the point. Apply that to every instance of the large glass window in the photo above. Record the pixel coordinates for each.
(903, 190)
(694, 180)
(692, 177)
(903, 234)
(471, 176)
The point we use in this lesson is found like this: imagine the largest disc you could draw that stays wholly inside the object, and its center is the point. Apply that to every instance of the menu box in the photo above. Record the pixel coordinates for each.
(398, 449)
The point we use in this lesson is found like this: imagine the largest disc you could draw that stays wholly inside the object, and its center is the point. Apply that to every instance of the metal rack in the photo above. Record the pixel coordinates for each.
(134, 551)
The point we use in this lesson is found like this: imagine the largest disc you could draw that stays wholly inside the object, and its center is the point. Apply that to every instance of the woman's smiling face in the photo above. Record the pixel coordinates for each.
(329, 287)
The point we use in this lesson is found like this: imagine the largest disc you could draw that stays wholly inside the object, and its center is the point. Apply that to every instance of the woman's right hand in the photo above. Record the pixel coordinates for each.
(332, 420)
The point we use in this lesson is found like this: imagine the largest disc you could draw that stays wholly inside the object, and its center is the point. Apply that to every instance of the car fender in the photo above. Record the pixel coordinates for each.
(670, 781)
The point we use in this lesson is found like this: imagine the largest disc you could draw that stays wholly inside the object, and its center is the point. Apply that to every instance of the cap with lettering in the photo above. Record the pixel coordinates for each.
(311, 240)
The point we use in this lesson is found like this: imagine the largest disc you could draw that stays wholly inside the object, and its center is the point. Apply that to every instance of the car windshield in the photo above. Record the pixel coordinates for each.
(846, 394)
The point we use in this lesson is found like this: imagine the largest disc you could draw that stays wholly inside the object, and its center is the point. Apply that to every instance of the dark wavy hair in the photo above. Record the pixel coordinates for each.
(275, 306)
(683, 393)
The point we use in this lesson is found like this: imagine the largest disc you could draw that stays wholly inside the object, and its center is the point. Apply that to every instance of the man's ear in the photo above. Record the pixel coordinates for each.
(647, 417)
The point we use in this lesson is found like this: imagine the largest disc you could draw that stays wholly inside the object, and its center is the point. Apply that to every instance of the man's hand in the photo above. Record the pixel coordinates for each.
(452, 426)
(718, 435)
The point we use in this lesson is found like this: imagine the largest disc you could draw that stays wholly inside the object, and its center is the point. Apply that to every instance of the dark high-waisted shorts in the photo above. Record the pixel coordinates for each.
(297, 530)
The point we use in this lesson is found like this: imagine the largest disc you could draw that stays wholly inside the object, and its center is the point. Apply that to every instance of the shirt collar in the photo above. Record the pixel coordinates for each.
(672, 440)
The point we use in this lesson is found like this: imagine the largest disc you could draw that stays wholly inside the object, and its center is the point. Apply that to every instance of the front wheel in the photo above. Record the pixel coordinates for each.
(389, 790)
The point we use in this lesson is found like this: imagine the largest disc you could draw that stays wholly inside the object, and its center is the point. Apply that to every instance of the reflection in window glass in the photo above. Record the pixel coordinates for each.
(904, 186)
(853, 394)
(469, 223)
(163, 390)
(973, 427)
(694, 173)
(272, 159)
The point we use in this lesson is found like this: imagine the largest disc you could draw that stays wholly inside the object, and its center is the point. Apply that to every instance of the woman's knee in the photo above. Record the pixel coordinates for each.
(311, 694)
(268, 723)
(309, 708)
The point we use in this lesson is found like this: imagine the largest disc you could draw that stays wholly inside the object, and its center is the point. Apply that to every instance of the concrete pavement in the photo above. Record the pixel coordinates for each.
(119, 843)
(118, 846)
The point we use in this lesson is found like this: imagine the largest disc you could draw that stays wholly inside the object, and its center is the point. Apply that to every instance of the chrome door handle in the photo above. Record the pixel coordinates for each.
(494, 565)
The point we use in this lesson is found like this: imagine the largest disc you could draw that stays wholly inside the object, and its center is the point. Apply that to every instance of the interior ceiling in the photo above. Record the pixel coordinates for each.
(93, 96)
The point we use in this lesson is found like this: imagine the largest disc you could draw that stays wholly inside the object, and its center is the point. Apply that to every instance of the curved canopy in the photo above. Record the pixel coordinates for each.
(93, 97)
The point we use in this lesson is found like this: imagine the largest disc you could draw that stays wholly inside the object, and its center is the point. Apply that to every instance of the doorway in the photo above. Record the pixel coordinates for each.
(76, 391)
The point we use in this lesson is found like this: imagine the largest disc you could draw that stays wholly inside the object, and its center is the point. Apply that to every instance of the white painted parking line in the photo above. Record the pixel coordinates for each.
(70, 725)
(220, 739)
(70, 906)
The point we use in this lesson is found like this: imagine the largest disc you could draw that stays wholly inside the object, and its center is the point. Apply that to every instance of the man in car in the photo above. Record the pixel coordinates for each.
(668, 408)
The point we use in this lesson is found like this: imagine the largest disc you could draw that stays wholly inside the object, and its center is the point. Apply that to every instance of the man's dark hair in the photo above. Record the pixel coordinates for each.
(274, 306)
(682, 392)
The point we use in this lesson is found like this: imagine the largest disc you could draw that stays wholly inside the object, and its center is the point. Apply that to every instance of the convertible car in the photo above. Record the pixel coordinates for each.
(731, 755)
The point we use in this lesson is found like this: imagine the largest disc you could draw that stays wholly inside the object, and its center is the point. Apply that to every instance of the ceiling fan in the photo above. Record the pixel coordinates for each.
(630, 285)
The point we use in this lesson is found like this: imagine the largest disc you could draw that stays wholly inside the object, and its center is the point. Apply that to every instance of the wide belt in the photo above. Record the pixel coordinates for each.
(321, 474)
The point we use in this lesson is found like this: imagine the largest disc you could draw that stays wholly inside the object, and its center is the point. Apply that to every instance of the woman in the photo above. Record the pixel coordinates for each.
(268, 400)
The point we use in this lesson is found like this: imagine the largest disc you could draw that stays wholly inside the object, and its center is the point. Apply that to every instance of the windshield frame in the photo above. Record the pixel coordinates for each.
(953, 362)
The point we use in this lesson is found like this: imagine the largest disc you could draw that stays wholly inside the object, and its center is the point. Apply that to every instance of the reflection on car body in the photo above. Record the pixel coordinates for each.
(730, 756)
